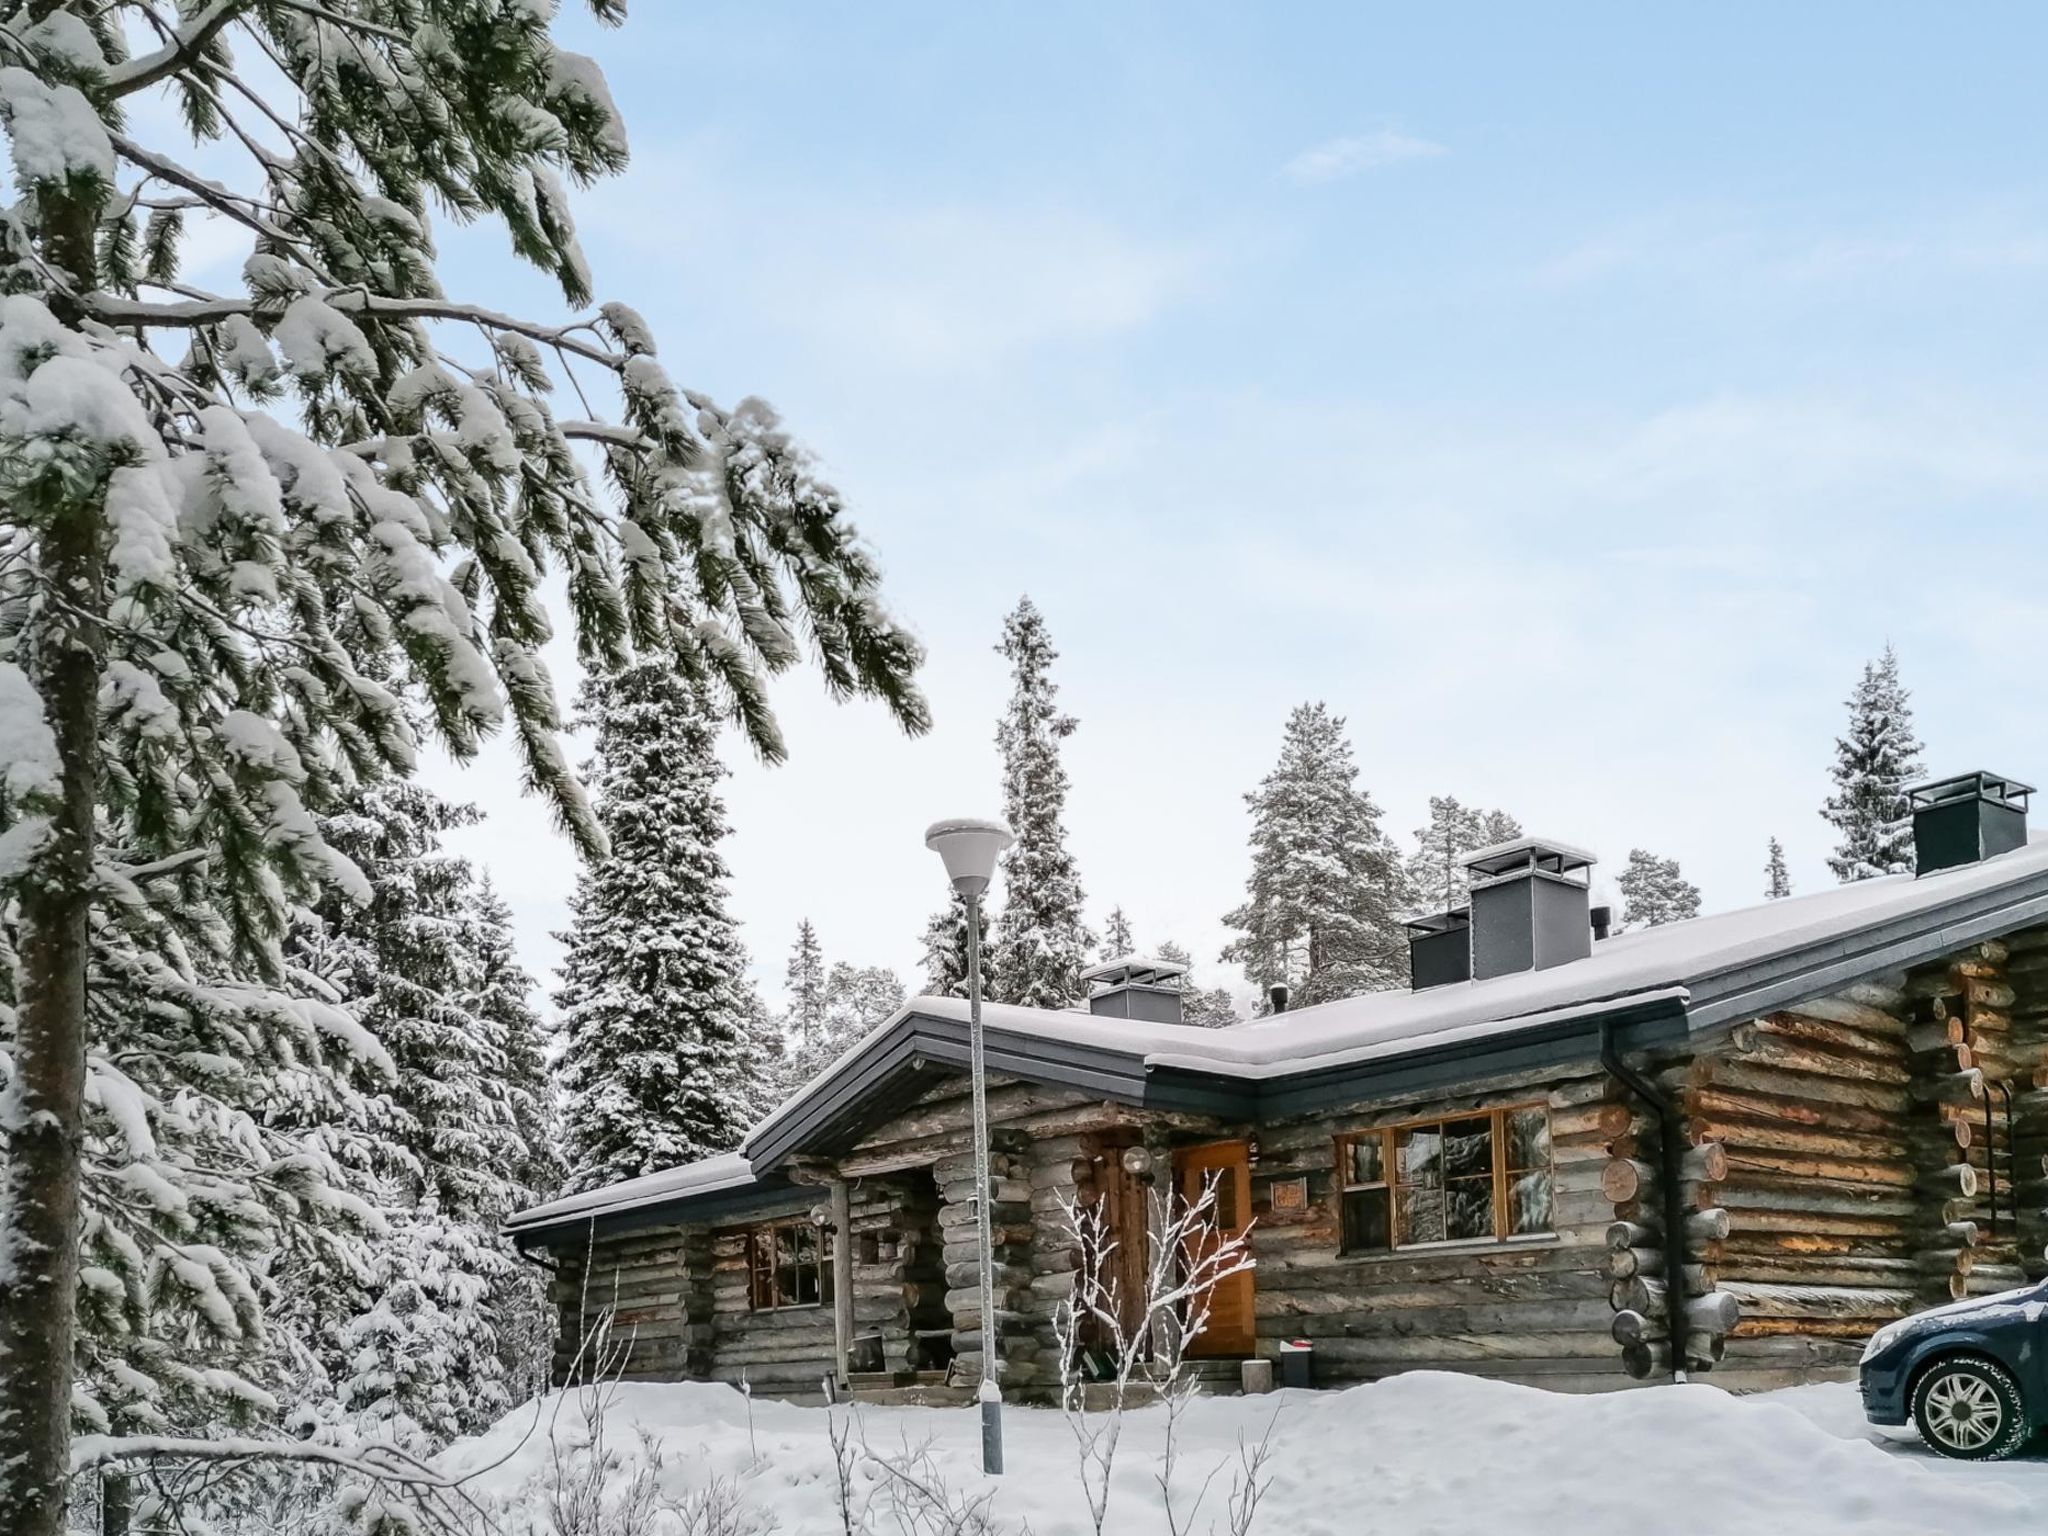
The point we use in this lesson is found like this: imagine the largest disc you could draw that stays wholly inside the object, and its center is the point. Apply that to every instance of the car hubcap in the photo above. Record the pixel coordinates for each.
(1963, 1412)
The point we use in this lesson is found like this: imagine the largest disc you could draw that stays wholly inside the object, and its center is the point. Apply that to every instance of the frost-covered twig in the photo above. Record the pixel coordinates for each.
(1142, 1339)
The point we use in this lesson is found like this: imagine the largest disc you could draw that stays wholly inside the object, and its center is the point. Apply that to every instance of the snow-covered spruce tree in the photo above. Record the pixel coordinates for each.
(1211, 1008)
(1654, 892)
(1327, 890)
(414, 1345)
(1873, 764)
(1777, 879)
(172, 547)
(1041, 944)
(1436, 874)
(805, 979)
(1116, 935)
(659, 1061)
(945, 949)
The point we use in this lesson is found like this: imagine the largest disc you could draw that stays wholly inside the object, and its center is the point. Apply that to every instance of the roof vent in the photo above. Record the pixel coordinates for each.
(1966, 819)
(1440, 948)
(1135, 987)
(1530, 906)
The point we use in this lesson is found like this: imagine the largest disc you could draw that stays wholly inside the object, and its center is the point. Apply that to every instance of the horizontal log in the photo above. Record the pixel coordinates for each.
(1872, 1303)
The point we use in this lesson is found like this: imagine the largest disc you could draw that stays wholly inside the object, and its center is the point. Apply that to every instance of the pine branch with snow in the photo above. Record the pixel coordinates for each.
(250, 521)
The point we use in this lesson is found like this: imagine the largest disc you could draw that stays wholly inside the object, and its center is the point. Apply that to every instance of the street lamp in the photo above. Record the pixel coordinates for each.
(969, 848)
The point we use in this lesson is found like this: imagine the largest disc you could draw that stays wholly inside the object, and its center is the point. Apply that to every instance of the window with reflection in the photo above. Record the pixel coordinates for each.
(1485, 1175)
(787, 1266)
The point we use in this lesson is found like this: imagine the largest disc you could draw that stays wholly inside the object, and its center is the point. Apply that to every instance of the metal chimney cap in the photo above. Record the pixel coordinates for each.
(1547, 854)
(1978, 785)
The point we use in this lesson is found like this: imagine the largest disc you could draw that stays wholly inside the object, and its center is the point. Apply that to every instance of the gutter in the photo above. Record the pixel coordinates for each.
(1673, 1138)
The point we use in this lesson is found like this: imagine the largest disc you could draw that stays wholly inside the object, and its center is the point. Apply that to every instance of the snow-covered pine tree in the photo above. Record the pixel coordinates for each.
(853, 1000)
(1654, 892)
(1327, 889)
(1873, 764)
(1041, 944)
(1777, 879)
(501, 998)
(659, 1062)
(1436, 876)
(805, 980)
(194, 698)
(1213, 1008)
(857, 998)
(945, 949)
(1116, 935)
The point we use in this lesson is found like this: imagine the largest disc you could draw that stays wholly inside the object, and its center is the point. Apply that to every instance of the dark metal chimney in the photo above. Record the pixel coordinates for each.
(1966, 819)
(1440, 948)
(1134, 987)
(1277, 996)
(1603, 922)
(1530, 906)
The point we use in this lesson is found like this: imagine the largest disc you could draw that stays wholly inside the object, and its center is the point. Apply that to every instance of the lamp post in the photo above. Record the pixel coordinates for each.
(969, 848)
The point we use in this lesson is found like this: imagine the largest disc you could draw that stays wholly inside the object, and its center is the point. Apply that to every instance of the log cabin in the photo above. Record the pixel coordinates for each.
(1725, 1148)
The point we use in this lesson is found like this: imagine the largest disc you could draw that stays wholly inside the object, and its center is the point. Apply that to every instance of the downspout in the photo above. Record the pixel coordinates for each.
(1672, 1137)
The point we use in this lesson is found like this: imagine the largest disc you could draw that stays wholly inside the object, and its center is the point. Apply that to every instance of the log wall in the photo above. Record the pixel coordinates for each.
(1533, 1310)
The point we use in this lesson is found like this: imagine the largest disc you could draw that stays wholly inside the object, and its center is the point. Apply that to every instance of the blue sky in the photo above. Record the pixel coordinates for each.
(1572, 397)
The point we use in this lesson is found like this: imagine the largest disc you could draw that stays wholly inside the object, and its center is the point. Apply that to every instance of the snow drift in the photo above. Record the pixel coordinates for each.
(1425, 1452)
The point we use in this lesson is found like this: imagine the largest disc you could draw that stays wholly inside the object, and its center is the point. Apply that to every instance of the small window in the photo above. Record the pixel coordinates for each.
(1476, 1177)
(787, 1267)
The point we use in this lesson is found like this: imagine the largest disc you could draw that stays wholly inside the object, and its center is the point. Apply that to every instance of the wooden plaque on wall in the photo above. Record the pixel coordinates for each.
(1288, 1197)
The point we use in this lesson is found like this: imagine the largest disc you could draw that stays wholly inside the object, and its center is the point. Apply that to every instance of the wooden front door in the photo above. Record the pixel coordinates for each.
(1230, 1327)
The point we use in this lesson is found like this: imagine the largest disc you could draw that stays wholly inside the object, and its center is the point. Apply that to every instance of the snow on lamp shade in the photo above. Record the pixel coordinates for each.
(969, 847)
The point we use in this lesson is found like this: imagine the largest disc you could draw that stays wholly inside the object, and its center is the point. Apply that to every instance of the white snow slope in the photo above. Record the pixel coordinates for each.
(1421, 1453)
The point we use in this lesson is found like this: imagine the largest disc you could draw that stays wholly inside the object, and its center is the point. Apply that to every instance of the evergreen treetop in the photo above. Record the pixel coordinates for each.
(1875, 761)
(805, 979)
(659, 1061)
(1436, 873)
(1654, 891)
(1041, 943)
(1116, 935)
(1327, 889)
(1777, 879)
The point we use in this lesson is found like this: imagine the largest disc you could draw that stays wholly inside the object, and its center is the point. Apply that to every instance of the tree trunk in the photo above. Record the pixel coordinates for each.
(43, 1113)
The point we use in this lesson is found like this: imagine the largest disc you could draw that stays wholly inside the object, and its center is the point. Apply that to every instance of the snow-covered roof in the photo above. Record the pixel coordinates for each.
(1713, 969)
(711, 1176)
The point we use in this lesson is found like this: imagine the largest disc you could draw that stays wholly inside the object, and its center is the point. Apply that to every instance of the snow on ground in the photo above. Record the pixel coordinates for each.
(1425, 1454)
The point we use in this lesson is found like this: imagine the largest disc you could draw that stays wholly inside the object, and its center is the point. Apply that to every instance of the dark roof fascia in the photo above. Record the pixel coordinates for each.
(772, 1195)
(918, 1041)
(1744, 992)
(1642, 1025)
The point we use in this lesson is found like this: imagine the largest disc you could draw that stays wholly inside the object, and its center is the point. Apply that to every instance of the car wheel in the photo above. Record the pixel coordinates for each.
(1971, 1409)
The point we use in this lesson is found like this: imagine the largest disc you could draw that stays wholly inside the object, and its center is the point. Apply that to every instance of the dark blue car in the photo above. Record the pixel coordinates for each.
(1971, 1376)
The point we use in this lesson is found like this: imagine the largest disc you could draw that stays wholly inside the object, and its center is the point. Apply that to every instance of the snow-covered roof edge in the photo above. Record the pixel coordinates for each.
(1710, 968)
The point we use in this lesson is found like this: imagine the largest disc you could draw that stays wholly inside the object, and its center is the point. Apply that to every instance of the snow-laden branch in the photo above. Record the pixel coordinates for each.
(383, 1463)
(186, 44)
(353, 301)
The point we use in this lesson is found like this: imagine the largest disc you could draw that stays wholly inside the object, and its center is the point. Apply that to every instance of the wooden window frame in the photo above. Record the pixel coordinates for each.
(763, 1277)
(1497, 1116)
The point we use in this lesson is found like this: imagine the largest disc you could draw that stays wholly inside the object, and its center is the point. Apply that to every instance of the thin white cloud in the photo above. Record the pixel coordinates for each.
(1348, 156)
